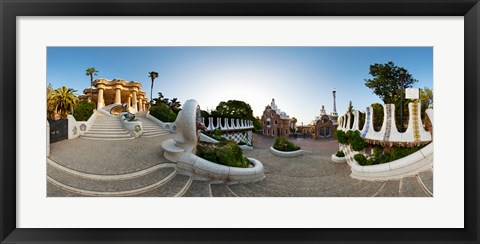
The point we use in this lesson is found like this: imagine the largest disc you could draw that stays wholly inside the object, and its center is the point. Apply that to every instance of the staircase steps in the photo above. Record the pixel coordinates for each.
(90, 185)
(176, 187)
(150, 128)
(106, 127)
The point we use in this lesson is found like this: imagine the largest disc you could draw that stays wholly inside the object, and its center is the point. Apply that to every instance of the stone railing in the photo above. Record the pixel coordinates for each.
(388, 134)
(78, 128)
(234, 124)
(237, 130)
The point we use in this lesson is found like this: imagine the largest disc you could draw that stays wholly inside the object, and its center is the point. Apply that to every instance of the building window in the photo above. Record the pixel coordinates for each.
(273, 132)
(276, 122)
(286, 131)
(267, 122)
(268, 131)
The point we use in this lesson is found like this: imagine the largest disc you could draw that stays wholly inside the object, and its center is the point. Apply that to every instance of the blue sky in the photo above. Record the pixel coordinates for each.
(301, 79)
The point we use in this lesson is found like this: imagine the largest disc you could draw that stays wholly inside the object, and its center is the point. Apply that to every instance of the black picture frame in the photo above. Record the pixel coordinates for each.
(10, 9)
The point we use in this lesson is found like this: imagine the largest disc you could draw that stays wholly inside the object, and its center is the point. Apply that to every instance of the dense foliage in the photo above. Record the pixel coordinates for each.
(340, 154)
(356, 141)
(83, 111)
(387, 84)
(233, 109)
(173, 103)
(352, 138)
(340, 136)
(61, 101)
(226, 153)
(282, 144)
(162, 112)
(385, 155)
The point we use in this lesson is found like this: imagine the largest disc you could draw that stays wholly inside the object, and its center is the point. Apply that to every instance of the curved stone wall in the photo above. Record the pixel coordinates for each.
(414, 135)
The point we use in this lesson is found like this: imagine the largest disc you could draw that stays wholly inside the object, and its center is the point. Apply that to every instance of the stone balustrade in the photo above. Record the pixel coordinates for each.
(388, 134)
(229, 124)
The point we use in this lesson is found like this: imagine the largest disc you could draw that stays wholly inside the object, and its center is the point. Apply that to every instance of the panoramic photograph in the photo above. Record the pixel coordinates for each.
(240, 121)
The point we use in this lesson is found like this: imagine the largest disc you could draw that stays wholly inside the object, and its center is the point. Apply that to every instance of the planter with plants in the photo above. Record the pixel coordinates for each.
(339, 157)
(285, 148)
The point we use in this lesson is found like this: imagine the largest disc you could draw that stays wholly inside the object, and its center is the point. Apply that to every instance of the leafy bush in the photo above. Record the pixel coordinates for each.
(226, 153)
(340, 154)
(83, 111)
(282, 144)
(162, 112)
(356, 141)
(352, 138)
(381, 156)
(340, 136)
(361, 159)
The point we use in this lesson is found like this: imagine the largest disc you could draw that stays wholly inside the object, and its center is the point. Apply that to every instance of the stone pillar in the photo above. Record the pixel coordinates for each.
(118, 96)
(129, 101)
(100, 101)
(134, 100)
(139, 103)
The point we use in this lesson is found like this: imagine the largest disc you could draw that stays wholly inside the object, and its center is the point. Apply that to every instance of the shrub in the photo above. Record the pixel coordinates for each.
(340, 154)
(356, 141)
(282, 144)
(83, 111)
(361, 159)
(226, 153)
(162, 112)
(340, 136)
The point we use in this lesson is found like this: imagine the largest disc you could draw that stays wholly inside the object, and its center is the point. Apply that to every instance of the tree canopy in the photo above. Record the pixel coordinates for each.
(387, 80)
(233, 109)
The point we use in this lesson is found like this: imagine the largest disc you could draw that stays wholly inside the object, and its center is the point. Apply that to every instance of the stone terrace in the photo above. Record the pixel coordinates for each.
(137, 167)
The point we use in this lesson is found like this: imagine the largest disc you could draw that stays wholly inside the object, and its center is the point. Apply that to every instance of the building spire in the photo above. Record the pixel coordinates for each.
(334, 94)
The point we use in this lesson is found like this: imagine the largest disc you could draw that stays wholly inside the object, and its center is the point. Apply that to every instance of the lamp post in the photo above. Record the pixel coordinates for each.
(402, 78)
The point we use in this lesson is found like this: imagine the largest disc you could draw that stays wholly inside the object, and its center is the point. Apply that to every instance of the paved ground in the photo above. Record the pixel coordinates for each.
(80, 164)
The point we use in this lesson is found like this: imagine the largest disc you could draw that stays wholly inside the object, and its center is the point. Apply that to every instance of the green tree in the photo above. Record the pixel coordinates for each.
(387, 81)
(257, 124)
(62, 101)
(175, 105)
(350, 107)
(234, 109)
(83, 111)
(91, 72)
(387, 84)
(163, 112)
(153, 75)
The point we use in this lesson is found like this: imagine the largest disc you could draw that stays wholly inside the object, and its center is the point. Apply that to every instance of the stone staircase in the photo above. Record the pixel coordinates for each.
(107, 127)
(163, 181)
(150, 128)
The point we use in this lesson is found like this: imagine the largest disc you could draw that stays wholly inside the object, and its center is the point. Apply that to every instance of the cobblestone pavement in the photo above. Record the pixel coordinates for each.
(148, 173)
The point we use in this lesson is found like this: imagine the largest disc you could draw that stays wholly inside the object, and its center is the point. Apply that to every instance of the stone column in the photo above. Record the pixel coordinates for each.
(143, 105)
(134, 100)
(100, 101)
(139, 103)
(129, 101)
(118, 96)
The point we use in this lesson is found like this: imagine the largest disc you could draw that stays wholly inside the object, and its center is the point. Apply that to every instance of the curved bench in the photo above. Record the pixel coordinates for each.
(172, 152)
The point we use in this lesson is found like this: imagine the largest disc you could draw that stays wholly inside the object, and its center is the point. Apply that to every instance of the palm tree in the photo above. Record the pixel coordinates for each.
(91, 72)
(153, 75)
(62, 101)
